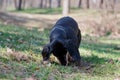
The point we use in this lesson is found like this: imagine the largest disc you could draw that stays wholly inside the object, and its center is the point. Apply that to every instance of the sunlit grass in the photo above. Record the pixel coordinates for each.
(41, 10)
(100, 53)
(56, 11)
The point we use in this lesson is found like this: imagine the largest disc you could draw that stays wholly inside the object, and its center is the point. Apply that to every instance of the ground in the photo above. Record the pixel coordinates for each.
(21, 45)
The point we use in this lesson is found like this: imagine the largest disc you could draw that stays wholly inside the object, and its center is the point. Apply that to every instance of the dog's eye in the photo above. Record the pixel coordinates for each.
(43, 53)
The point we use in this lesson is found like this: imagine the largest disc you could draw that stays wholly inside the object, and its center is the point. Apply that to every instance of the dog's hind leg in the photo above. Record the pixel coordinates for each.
(73, 51)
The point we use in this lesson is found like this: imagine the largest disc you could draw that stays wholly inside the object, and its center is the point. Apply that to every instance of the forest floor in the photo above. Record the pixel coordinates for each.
(23, 35)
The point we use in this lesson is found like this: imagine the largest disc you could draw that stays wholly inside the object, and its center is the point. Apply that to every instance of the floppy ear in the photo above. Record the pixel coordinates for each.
(46, 52)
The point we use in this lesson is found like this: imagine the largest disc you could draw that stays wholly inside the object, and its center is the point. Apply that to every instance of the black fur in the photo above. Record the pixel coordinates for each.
(65, 36)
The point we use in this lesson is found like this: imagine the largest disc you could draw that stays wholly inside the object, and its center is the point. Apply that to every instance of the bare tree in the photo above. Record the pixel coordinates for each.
(45, 3)
(1, 3)
(101, 4)
(88, 4)
(15, 2)
(65, 7)
(24, 2)
(4, 4)
(50, 3)
(59, 3)
(20, 5)
(79, 3)
(113, 4)
(41, 3)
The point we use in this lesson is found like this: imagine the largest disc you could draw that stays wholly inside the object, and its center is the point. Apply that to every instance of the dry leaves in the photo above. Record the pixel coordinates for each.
(111, 61)
(18, 56)
(118, 78)
(30, 78)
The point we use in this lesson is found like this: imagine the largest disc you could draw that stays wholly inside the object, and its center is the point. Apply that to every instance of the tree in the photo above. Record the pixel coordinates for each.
(23, 4)
(88, 3)
(101, 4)
(41, 3)
(79, 3)
(1, 3)
(45, 3)
(50, 3)
(59, 3)
(65, 7)
(20, 5)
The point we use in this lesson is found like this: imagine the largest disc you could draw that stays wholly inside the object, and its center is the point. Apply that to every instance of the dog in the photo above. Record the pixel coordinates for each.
(65, 36)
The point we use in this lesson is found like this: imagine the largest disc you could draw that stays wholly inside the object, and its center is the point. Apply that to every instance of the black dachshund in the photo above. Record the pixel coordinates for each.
(65, 37)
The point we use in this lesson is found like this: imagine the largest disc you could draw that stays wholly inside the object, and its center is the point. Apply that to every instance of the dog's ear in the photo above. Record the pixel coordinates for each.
(46, 52)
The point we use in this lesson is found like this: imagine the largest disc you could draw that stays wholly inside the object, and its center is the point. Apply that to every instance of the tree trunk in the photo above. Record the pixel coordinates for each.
(4, 5)
(41, 3)
(24, 2)
(45, 3)
(59, 3)
(50, 3)
(79, 3)
(113, 5)
(15, 3)
(20, 5)
(88, 4)
(1, 4)
(65, 7)
(101, 4)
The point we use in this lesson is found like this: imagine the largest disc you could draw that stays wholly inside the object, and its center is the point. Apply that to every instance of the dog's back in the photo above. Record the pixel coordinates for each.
(67, 22)
(66, 28)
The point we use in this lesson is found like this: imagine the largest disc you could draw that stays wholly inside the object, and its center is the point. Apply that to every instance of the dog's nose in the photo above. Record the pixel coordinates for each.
(45, 62)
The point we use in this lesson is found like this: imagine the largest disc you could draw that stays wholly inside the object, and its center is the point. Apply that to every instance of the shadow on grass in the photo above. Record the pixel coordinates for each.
(94, 44)
(94, 59)
(23, 39)
(20, 20)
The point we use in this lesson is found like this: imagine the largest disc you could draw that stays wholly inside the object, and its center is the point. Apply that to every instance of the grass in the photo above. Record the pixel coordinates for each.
(40, 10)
(100, 53)
(54, 11)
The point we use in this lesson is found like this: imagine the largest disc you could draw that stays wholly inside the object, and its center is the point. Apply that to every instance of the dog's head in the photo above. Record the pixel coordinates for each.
(46, 52)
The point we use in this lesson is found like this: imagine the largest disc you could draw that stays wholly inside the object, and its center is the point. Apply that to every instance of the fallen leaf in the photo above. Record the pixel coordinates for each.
(30, 78)
(111, 61)
(17, 55)
(118, 78)
(1, 63)
(9, 50)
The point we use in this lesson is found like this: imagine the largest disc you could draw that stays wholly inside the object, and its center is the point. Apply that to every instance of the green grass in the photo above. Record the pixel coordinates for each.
(40, 10)
(100, 53)
(54, 11)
